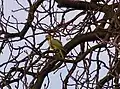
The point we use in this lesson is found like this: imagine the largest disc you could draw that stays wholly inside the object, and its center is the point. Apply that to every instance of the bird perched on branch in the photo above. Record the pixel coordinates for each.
(55, 45)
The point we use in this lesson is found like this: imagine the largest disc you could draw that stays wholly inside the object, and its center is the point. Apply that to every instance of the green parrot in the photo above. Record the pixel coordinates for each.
(55, 45)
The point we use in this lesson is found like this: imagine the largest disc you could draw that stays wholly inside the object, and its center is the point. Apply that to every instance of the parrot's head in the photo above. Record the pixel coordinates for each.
(48, 37)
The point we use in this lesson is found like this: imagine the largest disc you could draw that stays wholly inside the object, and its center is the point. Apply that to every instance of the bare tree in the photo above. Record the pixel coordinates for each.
(89, 32)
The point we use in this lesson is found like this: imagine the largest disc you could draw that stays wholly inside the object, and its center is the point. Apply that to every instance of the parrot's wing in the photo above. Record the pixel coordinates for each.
(57, 44)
